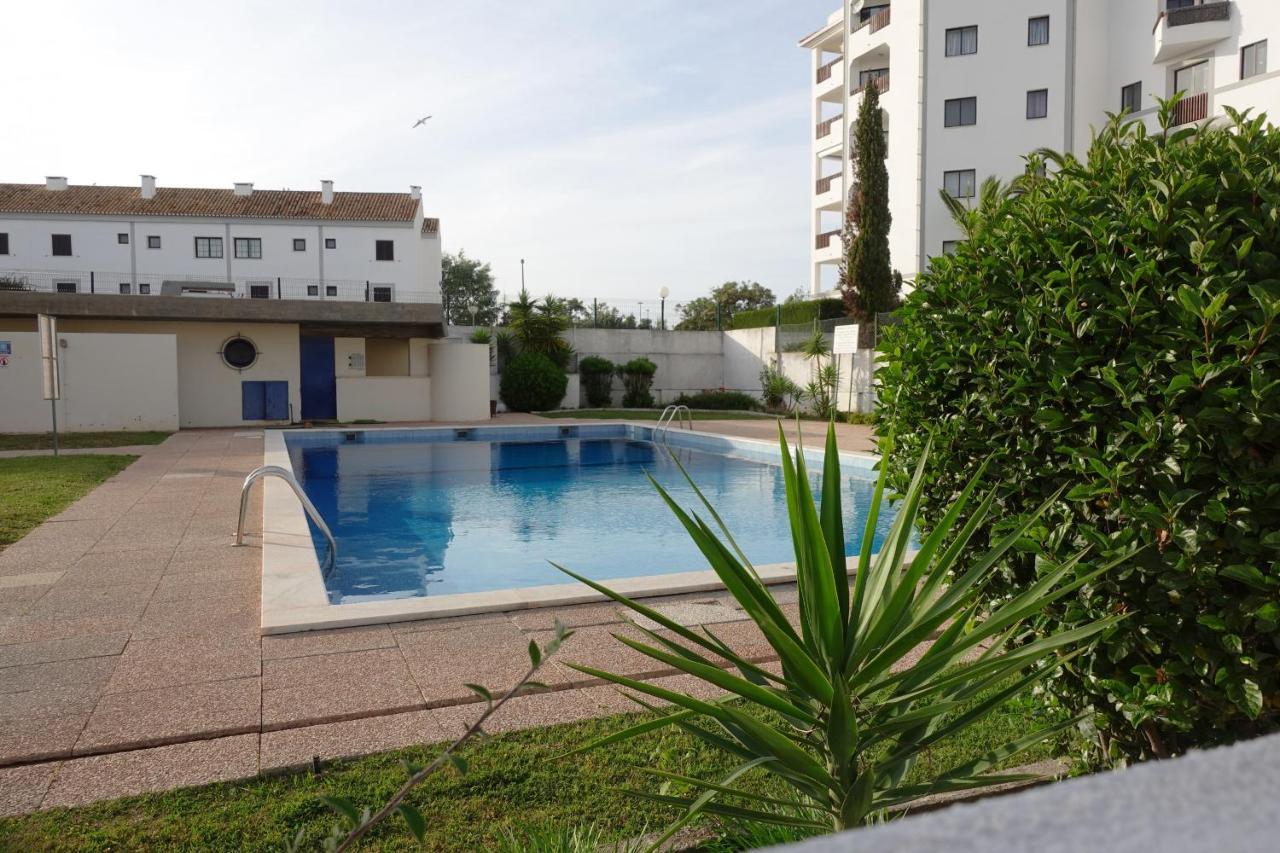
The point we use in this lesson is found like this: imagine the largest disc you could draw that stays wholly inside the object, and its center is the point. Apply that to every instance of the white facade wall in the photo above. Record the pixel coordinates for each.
(1095, 48)
(459, 381)
(109, 382)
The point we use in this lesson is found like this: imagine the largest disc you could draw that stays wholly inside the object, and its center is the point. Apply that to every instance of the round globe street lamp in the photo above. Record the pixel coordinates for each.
(662, 315)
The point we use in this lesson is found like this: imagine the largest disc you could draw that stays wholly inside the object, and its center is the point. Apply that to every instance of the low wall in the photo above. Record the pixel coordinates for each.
(459, 381)
(384, 398)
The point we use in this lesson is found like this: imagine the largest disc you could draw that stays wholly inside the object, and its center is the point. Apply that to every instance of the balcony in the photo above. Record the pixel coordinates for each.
(825, 127)
(824, 184)
(825, 239)
(1191, 29)
(824, 71)
(874, 22)
(1191, 108)
(830, 80)
(879, 80)
(827, 247)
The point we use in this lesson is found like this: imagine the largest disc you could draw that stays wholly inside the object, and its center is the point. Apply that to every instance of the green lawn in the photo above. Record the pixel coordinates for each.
(32, 488)
(518, 785)
(44, 441)
(653, 414)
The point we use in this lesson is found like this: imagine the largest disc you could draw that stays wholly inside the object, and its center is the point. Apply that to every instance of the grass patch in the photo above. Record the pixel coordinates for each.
(518, 787)
(33, 488)
(44, 440)
(652, 414)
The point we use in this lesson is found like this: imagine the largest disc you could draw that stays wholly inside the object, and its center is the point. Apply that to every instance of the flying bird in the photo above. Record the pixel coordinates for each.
(420, 121)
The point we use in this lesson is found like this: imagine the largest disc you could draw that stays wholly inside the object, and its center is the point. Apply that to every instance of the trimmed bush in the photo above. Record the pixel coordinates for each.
(792, 313)
(532, 383)
(720, 400)
(597, 380)
(637, 382)
(1106, 341)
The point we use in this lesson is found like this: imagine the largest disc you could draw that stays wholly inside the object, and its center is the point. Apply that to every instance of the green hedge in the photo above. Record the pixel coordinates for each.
(532, 383)
(1107, 342)
(792, 313)
(720, 401)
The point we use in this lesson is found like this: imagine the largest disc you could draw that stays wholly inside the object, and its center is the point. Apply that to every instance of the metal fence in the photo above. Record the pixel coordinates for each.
(178, 284)
(792, 337)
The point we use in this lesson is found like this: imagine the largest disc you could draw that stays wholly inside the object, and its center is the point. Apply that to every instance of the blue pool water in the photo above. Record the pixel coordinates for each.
(415, 518)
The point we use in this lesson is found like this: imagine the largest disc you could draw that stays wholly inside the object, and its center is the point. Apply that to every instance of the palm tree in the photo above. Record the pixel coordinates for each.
(993, 194)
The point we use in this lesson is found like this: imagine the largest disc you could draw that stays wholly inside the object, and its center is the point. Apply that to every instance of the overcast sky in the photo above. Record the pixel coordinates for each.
(616, 146)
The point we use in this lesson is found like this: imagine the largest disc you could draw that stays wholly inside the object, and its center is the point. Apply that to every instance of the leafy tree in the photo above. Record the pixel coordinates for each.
(701, 314)
(867, 279)
(535, 327)
(469, 295)
(1106, 349)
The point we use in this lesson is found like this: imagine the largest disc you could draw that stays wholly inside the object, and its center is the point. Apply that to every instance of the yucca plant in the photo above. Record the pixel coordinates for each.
(848, 715)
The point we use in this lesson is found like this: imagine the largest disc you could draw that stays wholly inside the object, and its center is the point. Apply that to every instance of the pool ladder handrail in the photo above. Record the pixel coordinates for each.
(310, 508)
(669, 414)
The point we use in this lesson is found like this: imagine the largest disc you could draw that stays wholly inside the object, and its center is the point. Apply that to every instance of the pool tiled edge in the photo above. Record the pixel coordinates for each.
(294, 597)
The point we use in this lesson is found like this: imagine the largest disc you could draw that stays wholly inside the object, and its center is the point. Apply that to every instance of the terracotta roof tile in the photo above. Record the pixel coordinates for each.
(196, 201)
(430, 226)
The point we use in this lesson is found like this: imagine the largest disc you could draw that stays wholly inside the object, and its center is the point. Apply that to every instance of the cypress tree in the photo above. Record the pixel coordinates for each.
(867, 280)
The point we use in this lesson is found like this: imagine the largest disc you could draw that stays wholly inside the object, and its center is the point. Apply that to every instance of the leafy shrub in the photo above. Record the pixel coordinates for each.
(792, 313)
(780, 393)
(1111, 330)
(637, 382)
(720, 400)
(532, 382)
(853, 709)
(481, 336)
(597, 380)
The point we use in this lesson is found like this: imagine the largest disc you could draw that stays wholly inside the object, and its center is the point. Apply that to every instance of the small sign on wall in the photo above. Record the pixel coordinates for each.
(6, 352)
(845, 339)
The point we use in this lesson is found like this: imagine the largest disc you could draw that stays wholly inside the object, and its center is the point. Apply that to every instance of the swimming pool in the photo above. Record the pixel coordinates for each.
(436, 512)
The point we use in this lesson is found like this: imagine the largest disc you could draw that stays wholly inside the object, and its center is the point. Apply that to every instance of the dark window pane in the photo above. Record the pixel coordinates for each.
(62, 245)
(331, 290)
(330, 243)
(299, 245)
(4, 244)
(385, 250)
(382, 294)
(144, 288)
(1131, 97)
(1038, 103)
(153, 242)
(259, 291)
(1038, 31)
(67, 286)
(313, 290)
(239, 353)
(122, 239)
(125, 288)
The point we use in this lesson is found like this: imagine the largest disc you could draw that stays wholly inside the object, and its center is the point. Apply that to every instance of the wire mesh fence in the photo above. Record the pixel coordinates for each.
(793, 337)
(184, 284)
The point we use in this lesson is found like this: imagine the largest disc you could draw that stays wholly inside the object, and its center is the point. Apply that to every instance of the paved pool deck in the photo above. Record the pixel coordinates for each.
(131, 658)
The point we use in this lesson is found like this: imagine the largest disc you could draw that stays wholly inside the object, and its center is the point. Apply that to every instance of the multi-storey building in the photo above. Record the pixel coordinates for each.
(968, 87)
(186, 307)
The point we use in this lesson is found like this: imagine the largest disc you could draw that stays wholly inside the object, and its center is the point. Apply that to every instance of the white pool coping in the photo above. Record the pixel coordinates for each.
(294, 597)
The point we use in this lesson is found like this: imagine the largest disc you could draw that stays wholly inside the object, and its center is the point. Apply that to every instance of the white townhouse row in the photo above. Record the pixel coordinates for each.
(260, 244)
(968, 87)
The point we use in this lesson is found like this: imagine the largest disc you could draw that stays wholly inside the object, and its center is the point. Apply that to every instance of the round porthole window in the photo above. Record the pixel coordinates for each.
(239, 353)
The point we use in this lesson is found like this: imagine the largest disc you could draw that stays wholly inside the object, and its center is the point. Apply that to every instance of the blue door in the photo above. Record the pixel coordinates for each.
(319, 386)
(264, 401)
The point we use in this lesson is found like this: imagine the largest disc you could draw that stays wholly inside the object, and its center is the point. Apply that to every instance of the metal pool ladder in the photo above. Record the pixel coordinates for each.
(307, 505)
(669, 414)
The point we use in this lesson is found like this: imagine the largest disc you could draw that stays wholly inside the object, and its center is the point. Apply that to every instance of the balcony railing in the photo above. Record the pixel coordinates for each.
(824, 71)
(874, 23)
(881, 83)
(824, 240)
(824, 184)
(1200, 14)
(107, 283)
(1191, 108)
(824, 127)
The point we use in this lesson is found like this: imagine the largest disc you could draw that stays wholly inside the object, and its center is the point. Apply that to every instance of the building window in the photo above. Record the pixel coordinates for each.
(1038, 31)
(299, 245)
(4, 244)
(1131, 97)
(330, 243)
(960, 183)
(62, 245)
(1037, 103)
(960, 111)
(949, 246)
(67, 286)
(249, 247)
(239, 353)
(122, 239)
(382, 293)
(153, 241)
(1193, 79)
(867, 11)
(331, 290)
(259, 291)
(962, 41)
(208, 247)
(313, 290)
(144, 289)
(1253, 59)
(1170, 5)
(385, 250)
(125, 289)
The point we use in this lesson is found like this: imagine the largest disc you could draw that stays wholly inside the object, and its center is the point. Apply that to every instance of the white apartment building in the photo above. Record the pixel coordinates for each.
(257, 244)
(968, 87)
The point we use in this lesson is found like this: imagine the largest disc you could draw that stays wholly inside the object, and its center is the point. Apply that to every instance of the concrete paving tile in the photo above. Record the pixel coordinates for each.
(87, 672)
(327, 642)
(580, 615)
(10, 583)
(189, 616)
(67, 700)
(216, 584)
(215, 558)
(352, 695)
(67, 648)
(529, 711)
(39, 738)
(449, 624)
(327, 668)
(179, 659)
(152, 717)
(295, 748)
(63, 602)
(596, 647)
(26, 629)
(115, 568)
(745, 639)
(102, 777)
(24, 557)
(493, 655)
(22, 788)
